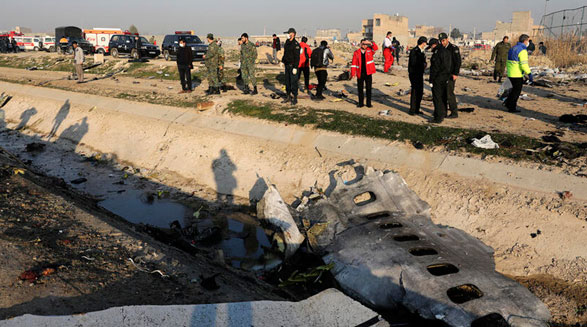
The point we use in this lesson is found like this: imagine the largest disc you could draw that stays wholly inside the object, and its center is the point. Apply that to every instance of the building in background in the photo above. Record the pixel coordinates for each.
(23, 30)
(377, 27)
(522, 23)
(354, 37)
(328, 34)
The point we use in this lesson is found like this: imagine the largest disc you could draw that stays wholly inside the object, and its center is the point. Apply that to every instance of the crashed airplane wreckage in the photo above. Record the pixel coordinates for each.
(387, 252)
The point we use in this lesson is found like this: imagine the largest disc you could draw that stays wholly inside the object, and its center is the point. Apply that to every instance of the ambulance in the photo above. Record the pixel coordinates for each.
(100, 38)
(49, 43)
(29, 42)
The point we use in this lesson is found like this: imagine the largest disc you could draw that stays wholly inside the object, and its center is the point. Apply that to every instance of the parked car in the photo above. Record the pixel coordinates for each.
(171, 43)
(49, 43)
(125, 44)
(100, 38)
(66, 35)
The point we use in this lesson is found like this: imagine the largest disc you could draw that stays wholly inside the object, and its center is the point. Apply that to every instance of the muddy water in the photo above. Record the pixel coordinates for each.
(239, 236)
(126, 193)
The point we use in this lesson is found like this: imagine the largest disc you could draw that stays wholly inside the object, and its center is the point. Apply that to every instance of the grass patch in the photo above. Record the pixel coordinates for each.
(511, 146)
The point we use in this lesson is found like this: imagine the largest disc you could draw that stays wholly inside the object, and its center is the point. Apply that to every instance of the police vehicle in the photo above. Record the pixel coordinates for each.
(125, 44)
(171, 43)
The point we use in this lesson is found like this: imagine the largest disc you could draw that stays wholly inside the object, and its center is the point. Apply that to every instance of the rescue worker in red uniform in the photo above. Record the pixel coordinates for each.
(363, 67)
(304, 67)
(388, 51)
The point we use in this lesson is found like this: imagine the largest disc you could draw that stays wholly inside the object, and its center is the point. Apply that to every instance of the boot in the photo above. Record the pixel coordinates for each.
(294, 100)
(287, 99)
(254, 92)
(246, 90)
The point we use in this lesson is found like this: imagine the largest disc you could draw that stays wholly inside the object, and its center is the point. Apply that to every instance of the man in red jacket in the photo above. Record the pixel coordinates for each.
(363, 67)
(305, 56)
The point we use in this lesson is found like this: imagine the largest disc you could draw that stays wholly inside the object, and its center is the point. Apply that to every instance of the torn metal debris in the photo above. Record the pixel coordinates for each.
(387, 252)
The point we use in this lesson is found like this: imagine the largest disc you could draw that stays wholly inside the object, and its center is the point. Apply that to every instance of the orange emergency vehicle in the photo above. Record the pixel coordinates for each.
(100, 37)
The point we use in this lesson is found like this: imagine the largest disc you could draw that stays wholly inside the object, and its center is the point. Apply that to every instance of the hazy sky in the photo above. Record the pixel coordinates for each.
(232, 17)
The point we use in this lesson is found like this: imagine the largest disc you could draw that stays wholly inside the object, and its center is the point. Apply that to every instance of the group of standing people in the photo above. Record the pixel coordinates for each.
(445, 66)
(8, 45)
(515, 61)
(298, 58)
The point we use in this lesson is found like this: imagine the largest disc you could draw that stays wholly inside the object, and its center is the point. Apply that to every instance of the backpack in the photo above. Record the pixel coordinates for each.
(317, 59)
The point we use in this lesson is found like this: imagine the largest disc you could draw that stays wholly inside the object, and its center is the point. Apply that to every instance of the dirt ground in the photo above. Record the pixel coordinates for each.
(502, 217)
(61, 254)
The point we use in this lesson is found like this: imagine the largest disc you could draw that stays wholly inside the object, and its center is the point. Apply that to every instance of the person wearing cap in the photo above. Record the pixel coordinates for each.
(455, 68)
(517, 67)
(440, 73)
(500, 56)
(291, 60)
(387, 52)
(304, 66)
(211, 58)
(248, 57)
(184, 60)
(363, 67)
(276, 48)
(416, 67)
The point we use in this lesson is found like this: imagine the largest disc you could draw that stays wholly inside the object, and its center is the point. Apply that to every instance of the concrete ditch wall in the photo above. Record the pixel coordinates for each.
(230, 154)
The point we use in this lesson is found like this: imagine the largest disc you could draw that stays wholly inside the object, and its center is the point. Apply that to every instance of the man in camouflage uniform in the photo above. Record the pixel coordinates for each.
(221, 58)
(212, 62)
(500, 56)
(248, 57)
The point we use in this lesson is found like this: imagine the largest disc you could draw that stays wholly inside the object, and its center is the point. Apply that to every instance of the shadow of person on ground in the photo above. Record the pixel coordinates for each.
(223, 169)
(59, 118)
(496, 104)
(381, 97)
(2, 120)
(75, 132)
(258, 190)
(25, 117)
(196, 81)
(271, 87)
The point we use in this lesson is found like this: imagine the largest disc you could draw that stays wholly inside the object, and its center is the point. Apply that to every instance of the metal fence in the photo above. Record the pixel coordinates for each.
(564, 22)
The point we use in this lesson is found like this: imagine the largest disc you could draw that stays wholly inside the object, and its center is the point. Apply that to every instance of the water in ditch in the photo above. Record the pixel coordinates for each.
(128, 194)
(242, 240)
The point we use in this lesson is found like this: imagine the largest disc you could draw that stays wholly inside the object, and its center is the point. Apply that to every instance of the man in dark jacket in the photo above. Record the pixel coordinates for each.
(455, 68)
(138, 46)
(276, 48)
(440, 74)
(184, 66)
(500, 56)
(542, 48)
(14, 44)
(531, 47)
(396, 50)
(291, 60)
(416, 67)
